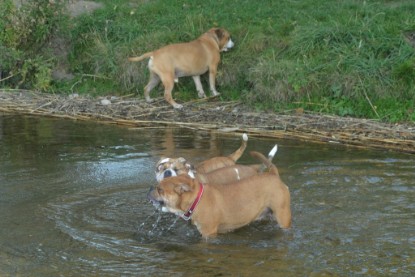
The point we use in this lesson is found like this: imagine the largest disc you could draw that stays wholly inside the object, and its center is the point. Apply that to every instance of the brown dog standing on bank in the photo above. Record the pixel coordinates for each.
(193, 58)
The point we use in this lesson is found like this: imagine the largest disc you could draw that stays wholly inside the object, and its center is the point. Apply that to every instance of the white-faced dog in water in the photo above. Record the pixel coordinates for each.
(167, 167)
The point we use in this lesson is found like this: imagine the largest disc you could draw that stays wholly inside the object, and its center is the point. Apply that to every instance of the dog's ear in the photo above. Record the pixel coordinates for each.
(219, 33)
(181, 188)
(182, 160)
(189, 166)
(163, 160)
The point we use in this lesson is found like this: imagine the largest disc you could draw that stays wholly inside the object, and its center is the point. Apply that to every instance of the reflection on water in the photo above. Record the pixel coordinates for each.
(73, 203)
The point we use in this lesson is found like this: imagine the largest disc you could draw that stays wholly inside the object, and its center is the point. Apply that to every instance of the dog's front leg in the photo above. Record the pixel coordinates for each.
(207, 232)
(212, 80)
(199, 87)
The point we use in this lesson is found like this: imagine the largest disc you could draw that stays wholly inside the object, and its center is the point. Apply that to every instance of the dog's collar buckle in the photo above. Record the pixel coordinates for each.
(189, 212)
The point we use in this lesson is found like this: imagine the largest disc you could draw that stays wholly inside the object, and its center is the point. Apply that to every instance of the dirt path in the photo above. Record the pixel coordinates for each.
(212, 114)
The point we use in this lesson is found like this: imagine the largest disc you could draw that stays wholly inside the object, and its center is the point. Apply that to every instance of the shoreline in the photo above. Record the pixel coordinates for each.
(212, 114)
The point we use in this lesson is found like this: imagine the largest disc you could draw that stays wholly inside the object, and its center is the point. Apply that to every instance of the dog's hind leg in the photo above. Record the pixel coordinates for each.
(168, 83)
(281, 208)
(199, 87)
(152, 83)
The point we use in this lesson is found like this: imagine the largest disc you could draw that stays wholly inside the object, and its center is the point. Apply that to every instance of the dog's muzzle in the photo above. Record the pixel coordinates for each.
(165, 174)
(229, 45)
(158, 204)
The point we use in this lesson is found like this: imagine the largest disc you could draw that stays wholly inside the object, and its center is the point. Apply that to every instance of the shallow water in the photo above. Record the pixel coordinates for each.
(73, 203)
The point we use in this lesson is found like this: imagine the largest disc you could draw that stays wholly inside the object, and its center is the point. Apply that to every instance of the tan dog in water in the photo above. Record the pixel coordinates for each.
(223, 208)
(167, 167)
(186, 59)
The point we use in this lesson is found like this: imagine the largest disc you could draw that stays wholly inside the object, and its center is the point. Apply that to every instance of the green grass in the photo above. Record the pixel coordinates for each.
(348, 58)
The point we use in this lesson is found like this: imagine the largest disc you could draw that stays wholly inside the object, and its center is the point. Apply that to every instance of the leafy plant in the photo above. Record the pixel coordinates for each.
(25, 61)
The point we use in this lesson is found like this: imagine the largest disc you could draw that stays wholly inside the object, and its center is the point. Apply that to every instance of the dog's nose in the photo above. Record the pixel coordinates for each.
(156, 203)
(167, 173)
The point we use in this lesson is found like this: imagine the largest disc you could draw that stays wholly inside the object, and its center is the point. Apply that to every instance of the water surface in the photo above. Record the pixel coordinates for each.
(73, 203)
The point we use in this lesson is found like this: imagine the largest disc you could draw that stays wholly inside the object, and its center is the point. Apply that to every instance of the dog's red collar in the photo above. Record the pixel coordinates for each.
(189, 212)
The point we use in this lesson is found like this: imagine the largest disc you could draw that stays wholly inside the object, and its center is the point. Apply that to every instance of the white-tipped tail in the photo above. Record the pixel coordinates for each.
(273, 152)
(238, 153)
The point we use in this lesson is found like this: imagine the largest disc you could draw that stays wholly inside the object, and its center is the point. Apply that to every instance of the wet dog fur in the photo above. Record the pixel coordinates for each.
(223, 208)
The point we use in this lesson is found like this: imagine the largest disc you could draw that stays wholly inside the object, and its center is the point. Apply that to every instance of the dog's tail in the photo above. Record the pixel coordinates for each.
(260, 168)
(272, 153)
(238, 153)
(140, 58)
(267, 162)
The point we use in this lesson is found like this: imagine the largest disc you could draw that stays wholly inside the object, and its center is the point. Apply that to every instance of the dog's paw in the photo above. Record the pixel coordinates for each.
(201, 95)
(149, 100)
(178, 106)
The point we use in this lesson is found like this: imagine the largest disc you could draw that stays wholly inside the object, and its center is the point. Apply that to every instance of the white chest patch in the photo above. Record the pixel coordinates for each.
(150, 62)
(237, 174)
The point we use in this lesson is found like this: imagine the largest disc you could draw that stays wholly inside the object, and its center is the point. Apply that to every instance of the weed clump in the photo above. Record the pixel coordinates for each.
(27, 28)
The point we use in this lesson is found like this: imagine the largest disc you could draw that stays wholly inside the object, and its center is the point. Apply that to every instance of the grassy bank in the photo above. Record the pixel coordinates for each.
(350, 58)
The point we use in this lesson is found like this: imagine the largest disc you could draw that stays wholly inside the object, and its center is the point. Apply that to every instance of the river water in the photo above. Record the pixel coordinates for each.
(73, 203)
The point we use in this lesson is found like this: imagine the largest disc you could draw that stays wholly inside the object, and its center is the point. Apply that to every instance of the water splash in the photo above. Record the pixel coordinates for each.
(141, 227)
(151, 232)
(174, 223)
(157, 228)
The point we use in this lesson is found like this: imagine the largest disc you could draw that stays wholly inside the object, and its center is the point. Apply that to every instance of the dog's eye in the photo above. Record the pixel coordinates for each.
(160, 190)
